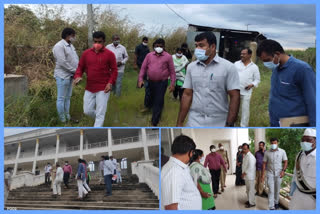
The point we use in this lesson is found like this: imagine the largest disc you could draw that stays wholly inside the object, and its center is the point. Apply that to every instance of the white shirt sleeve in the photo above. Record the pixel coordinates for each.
(60, 56)
(174, 187)
(125, 56)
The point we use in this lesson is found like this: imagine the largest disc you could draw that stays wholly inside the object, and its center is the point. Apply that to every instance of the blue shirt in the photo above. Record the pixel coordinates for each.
(81, 172)
(293, 92)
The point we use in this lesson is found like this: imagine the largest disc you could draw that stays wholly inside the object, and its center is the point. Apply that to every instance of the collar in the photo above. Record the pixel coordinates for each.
(161, 54)
(250, 63)
(66, 43)
(287, 63)
(118, 46)
(179, 162)
(271, 150)
(313, 153)
(102, 50)
(215, 60)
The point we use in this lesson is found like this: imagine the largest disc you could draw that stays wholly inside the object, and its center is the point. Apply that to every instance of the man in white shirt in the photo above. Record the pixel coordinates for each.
(7, 182)
(249, 174)
(58, 180)
(178, 191)
(114, 161)
(108, 170)
(121, 57)
(101, 168)
(47, 173)
(303, 187)
(249, 77)
(67, 60)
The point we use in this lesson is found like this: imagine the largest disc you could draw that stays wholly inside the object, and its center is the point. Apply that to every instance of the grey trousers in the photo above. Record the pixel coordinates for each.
(274, 185)
(250, 190)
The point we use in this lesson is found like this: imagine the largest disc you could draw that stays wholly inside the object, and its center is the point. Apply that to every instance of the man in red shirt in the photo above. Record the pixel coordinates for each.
(214, 162)
(158, 65)
(101, 67)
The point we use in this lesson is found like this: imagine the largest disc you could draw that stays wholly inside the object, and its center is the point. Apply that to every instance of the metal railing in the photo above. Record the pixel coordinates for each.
(97, 145)
(126, 140)
(72, 148)
(153, 138)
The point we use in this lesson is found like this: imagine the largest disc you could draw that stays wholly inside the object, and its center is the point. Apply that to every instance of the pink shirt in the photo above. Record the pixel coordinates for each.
(67, 168)
(214, 161)
(158, 67)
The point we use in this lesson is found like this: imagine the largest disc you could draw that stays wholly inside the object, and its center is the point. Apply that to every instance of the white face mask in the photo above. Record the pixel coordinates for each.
(158, 49)
(179, 55)
(306, 146)
(73, 39)
(274, 146)
(202, 159)
(145, 44)
(213, 150)
(221, 147)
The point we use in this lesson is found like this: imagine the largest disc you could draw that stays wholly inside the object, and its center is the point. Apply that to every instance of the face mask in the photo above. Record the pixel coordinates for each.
(200, 54)
(240, 150)
(274, 146)
(179, 55)
(213, 150)
(158, 49)
(117, 42)
(97, 46)
(145, 44)
(306, 146)
(271, 65)
(73, 39)
(221, 148)
(202, 160)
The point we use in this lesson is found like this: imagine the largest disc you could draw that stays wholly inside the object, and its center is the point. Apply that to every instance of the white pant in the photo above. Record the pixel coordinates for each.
(86, 185)
(119, 178)
(81, 190)
(57, 187)
(274, 185)
(250, 190)
(95, 106)
(245, 110)
(6, 193)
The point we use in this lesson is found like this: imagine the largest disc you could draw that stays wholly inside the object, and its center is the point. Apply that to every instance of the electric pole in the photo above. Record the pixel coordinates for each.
(90, 24)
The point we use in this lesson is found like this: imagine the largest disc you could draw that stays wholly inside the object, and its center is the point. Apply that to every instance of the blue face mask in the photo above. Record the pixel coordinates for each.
(306, 146)
(274, 146)
(271, 65)
(200, 54)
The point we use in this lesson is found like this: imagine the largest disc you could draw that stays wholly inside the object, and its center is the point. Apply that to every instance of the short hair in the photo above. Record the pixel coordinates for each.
(245, 144)
(99, 34)
(115, 36)
(66, 161)
(248, 49)
(184, 45)
(79, 160)
(211, 38)
(57, 164)
(182, 145)
(106, 157)
(178, 49)
(269, 46)
(145, 38)
(262, 143)
(162, 150)
(102, 156)
(274, 139)
(212, 147)
(159, 41)
(67, 32)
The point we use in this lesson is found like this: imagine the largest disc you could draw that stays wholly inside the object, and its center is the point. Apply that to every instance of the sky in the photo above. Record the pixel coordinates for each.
(293, 25)
(12, 131)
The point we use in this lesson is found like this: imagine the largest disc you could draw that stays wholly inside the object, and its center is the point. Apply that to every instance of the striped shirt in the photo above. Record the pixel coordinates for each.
(178, 187)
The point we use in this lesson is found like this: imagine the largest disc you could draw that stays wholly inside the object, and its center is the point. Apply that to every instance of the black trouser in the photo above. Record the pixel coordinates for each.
(66, 177)
(178, 90)
(147, 96)
(215, 177)
(158, 90)
(47, 177)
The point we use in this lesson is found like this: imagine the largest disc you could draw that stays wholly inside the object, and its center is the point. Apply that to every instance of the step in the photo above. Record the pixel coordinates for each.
(89, 198)
(81, 204)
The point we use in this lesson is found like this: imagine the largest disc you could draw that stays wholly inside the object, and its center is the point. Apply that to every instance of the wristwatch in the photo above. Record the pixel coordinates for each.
(229, 124)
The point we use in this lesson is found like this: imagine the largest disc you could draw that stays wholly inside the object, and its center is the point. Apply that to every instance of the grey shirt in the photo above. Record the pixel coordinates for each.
(66, 59)
(274, 159)
(210, 84)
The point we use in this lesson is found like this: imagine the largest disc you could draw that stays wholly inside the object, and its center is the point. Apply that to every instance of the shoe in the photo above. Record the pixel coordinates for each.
(144, 110)
(276, 206)
(271, 209)
(225, 186)
(247, 203)
(215, 196)
(250, 205)
(219, 192)
(222, 190)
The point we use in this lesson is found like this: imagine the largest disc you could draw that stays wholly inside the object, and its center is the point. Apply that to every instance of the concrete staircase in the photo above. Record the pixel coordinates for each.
(129, 195)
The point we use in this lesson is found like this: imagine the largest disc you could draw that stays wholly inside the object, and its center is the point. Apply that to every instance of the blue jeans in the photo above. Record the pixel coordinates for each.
(117, 86)
(64, 92)
(107, 181)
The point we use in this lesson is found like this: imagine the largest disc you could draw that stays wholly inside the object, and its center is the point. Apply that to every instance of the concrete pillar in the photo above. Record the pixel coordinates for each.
(81, 143)
(86, 143)
(17, 158)
(253, 46)
(35, 157)
(171, 136)
(259, 135)
(109, 142)
(57, 148)
(144, 143)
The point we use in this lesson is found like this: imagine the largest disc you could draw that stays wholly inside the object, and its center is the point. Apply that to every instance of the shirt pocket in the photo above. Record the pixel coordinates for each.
(287, 89)
(216, 83)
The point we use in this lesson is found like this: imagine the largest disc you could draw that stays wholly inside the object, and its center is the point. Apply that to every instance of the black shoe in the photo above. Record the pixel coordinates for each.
(247, 203)
(276, 206)
(250, 205)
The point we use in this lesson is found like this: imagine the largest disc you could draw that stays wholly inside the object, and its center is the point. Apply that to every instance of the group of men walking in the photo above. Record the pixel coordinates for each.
(184, 188)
